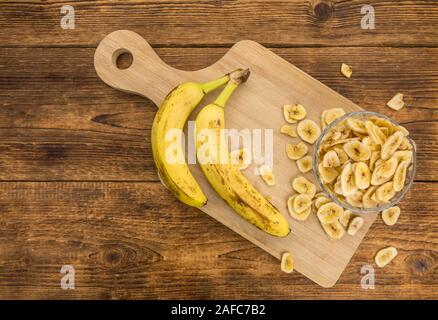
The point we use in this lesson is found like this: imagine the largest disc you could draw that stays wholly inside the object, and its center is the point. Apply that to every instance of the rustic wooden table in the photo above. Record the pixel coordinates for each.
(78, 185)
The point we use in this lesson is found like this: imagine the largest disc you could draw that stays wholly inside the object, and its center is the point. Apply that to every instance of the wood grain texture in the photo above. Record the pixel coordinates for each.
(223, 22)
(134, 240)
(55, 110)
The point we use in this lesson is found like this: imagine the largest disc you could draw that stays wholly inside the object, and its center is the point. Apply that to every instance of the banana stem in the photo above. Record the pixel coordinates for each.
(212, 85)
(237, 77)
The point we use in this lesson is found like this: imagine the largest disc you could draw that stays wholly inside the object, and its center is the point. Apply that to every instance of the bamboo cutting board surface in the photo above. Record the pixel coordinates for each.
(257, 104)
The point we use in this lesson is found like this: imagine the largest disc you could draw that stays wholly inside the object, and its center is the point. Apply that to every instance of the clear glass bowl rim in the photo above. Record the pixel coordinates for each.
(333, 197)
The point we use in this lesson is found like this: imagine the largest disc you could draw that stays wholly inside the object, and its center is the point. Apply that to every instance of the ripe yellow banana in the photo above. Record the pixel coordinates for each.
(168, 154)
(225, 177)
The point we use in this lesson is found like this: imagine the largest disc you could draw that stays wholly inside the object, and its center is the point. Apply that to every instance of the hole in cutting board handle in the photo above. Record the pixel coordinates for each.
(122, 59)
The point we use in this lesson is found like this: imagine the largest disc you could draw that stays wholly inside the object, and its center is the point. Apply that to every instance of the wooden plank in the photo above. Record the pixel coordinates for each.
(58, 116)
(134, 240)
(222, 23)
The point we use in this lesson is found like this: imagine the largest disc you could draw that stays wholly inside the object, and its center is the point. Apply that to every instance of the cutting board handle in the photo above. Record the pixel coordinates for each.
(148, 75)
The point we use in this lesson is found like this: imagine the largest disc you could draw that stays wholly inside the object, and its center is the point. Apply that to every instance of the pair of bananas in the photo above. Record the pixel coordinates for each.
(224, 176)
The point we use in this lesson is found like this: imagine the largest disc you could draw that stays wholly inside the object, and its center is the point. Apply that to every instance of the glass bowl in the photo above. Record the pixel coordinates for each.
(334, 197)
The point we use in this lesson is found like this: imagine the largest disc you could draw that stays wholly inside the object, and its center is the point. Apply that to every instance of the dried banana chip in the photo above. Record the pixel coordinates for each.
(357, 151)
(385, 192)
(305, 164)
(329, 212)
(308, 130)
(355, 225)
(319, 201)
(345, 218)
(342, 155)
(242, 158)
(400, 176)
(332, 114)
(267, 175)
(405, 145)
(348, 184)
(383, 171)
(300, 216)
(289, 131)
(385, 256)
(376, 135)
(294, 113)
(390, 216)
(328, 175)
(346, 70)
(368, 201)
(375, 155)
(334, 230)
(403, 155)
(391, 145)
(362, 175)
(331, 160)
(304, 186)
(356, 125)
(360, 160)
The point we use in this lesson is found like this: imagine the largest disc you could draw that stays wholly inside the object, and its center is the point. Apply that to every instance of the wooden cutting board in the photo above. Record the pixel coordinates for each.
(256, 104)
